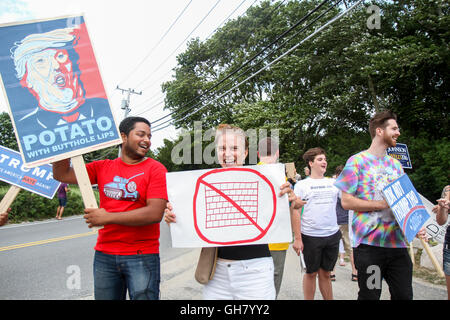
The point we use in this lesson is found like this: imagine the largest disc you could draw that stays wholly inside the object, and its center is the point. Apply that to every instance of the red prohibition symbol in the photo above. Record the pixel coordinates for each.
(248, 214)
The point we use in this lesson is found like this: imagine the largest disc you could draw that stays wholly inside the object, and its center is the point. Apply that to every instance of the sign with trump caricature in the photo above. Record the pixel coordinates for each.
(55, 93)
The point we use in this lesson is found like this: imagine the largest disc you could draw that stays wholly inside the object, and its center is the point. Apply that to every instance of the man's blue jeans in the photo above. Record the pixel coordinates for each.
(114, 275)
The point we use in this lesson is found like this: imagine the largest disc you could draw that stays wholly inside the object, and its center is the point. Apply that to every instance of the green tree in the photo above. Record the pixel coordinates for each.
(324, 92)
(7, 136)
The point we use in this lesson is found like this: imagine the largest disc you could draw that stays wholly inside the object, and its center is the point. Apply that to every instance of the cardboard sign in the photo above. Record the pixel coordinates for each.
(434, 230)
(229, 206)
(290, 170)
(406, 205)
(54, 90)
(38, 180)
(400, 152)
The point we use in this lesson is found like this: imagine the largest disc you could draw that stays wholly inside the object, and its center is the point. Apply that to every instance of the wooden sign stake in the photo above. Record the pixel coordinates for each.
(9, 198)
(84, 183)
(432, 258)
(411, 253)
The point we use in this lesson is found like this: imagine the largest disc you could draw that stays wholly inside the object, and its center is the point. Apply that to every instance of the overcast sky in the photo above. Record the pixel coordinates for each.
(124, 33)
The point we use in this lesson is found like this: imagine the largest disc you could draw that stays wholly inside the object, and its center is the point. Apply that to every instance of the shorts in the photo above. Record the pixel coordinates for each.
(446, 260)
(62, 202)
(321, 252)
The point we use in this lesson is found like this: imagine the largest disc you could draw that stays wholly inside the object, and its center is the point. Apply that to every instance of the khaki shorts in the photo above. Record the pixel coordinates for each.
(346, 239)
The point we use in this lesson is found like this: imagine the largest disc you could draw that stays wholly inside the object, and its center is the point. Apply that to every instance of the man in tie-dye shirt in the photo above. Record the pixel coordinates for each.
(380, 248)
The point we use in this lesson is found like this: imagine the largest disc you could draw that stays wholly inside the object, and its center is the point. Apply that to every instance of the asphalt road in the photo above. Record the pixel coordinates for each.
(40, 260)
(52, 260)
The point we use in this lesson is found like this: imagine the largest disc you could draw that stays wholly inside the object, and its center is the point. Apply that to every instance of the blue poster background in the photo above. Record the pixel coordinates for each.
(37, 180)
(41, 133)
(407, 206)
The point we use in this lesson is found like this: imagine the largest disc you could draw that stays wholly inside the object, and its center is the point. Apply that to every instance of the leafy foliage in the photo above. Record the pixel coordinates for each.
(29, 206)
(324, 92)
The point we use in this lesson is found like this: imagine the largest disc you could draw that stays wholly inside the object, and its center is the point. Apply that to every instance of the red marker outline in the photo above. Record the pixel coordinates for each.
(201, 181)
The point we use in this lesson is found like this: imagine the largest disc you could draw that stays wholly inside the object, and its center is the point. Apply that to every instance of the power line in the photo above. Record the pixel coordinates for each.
(269, 64)
(249, 60)
(173, 52)
(154, 47)
(159, 41)
(227, 18)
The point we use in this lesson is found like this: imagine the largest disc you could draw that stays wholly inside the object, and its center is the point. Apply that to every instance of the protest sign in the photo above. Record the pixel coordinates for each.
(54, 91)
(55, 94)
(400, 152)
(290, 170)
(406, 205)
(229, 206)
(38, 180)
(434, 230)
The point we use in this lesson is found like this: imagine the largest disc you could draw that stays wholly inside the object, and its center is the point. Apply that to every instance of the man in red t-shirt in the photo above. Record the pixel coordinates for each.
(133, 197)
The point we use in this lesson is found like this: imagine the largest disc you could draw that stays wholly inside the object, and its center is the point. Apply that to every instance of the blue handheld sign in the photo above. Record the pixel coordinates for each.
(400, 152)
(37, 180)
(406, 205)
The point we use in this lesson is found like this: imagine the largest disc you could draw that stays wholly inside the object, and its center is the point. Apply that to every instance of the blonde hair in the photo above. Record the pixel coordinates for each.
(224, 127)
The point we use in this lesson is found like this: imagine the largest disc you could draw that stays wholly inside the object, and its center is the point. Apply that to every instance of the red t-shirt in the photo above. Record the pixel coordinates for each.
(124, 187)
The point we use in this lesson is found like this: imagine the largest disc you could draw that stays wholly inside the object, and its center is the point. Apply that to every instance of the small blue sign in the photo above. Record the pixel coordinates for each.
(400, 152)
(407, 206)
(37, 180)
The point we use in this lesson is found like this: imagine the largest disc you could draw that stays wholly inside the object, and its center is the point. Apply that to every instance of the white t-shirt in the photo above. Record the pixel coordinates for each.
(319, 213)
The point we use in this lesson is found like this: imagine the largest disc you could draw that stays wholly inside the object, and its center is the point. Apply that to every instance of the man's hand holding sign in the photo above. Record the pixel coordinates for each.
(407, 207)
(410, 213)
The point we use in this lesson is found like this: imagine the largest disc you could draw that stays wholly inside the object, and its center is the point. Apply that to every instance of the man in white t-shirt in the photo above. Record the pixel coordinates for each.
(319, 228)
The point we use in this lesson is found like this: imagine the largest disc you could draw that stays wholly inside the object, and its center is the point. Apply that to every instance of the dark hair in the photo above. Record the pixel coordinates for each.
(267, 147)
(128, 124)
(379, 120)
(311, 154)
(338, 170)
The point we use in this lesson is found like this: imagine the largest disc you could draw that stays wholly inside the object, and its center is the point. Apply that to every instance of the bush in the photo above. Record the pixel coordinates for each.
(29, 206)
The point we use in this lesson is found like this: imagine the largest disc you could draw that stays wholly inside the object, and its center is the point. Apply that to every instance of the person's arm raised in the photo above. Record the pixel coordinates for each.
(62, 171)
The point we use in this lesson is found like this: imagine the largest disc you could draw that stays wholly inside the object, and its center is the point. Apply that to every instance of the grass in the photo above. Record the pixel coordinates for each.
(428, 275)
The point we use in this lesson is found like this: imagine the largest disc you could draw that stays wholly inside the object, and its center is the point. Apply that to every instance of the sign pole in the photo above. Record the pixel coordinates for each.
(411, 253)
(432, 258)
(9, 198)
(84, 183)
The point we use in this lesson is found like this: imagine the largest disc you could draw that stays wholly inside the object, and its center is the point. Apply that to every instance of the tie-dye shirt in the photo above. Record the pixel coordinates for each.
(365, 176)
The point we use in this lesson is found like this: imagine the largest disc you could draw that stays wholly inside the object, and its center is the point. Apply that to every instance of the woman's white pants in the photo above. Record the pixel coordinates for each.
(242, 280)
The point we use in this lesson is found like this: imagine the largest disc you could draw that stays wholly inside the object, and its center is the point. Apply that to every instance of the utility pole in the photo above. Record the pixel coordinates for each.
(126, 103)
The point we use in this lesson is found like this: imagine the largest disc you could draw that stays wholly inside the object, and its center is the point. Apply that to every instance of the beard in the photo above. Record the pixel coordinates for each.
(132, 152)
(389, 141)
